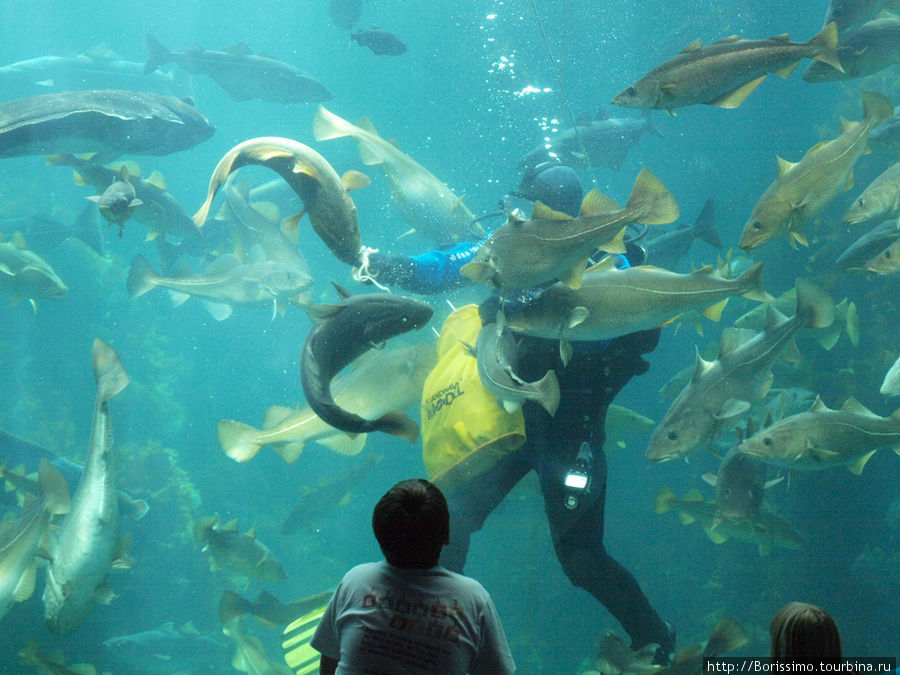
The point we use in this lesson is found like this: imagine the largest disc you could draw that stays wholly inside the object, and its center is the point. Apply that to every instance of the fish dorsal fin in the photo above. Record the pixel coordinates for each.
(269, 211)
(157, 180)
(341, 291)
(353, 180)
(268, 152)
(693, 495)
(366, 125)
(240, 49)
(701, 367)
(102, 51)
(710, 479)
(854, 406)
(732, 408)
(256, 254)
(817, 146)
(230, 526)
(847, 125)
(784, 37)
(321, 312)
(732, 338)
(738, 95)
(696, 45)
(223, 263)
(818, 405)
(607, 264)
(730, 38)
(595, 203)
(752, 426)
(541, 211)
(573, 276)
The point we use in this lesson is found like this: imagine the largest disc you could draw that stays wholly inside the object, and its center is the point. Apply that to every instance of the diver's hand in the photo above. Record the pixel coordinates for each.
(386, 269)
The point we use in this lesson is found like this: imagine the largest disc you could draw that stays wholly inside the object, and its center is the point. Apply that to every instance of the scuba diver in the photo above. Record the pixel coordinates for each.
(477, 467)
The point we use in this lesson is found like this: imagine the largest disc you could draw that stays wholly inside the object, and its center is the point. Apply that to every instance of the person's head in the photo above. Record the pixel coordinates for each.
(804, 632)
(554, 184)
(412, 524)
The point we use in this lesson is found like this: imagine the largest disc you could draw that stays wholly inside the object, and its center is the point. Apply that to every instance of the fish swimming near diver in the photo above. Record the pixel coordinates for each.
(720, 391)
(822, 438)
(158, 209)
(553, 245)
(26, 275)
(87, 544)
(378, 41)
(851, 14)
(604, 141)
(226, 283)
(109, 121)
(613, 302)
(323, 193)
(361, 391)
(243, 553)
(725, 72)
(666, 249)
(803, 190)
(20, 542)
(495, 351)
(763, 528)
(424, 201)
(341, 334)
(241, 73)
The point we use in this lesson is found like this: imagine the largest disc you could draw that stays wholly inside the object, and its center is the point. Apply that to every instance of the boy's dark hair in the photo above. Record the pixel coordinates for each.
(412, 524)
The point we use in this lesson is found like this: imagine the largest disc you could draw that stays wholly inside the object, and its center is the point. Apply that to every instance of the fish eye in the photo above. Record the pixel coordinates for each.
(767, 441)
(861, 201)
(631, 91)
(887, 254)
(673, 435)
(757, 225)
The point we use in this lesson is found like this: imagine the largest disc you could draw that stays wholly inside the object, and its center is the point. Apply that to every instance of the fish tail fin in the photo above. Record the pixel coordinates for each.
(651, 124)
(327, 125)
(158, 55)
(705, 226)
(727, 636)
(876, 107)
(141, 277)
(232, 605)
(237, 440)
(87, 228)
(753, 278)
(664, 501)
(649, 190)
(814, 305)
(826, 44)
(548, 385)
(109, 373)
(54, 489)
(399, 424)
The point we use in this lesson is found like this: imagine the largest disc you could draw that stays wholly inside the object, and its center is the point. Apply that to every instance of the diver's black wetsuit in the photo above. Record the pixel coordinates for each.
(595, 374)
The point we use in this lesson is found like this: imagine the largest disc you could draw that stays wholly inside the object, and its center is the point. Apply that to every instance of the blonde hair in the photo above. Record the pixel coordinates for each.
(804, 632)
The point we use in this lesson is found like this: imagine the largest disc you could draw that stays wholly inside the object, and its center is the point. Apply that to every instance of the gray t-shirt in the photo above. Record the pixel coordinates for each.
(384, 620)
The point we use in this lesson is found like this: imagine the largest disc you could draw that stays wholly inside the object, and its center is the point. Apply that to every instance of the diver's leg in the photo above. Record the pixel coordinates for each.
(578, 538)
(472, 502)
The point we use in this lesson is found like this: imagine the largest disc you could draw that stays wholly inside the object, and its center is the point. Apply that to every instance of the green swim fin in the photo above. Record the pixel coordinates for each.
(298, 653)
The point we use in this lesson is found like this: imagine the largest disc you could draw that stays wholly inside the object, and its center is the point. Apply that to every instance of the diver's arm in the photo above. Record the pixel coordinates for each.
(432, 272)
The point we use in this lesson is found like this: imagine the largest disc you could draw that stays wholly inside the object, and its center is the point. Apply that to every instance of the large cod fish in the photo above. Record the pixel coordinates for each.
(424, 201)
(324, 194)
(553, 245)
(801, 191)
(86, 544)
(341, 334)
(722, 390)
(613, 302)
(726, 72)
(361, 391)
(821, 438)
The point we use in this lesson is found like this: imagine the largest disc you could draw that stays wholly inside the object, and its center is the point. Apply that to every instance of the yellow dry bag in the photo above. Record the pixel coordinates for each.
(465, 430)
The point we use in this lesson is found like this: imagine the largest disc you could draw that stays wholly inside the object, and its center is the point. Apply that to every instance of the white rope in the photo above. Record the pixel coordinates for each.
(362, 274)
